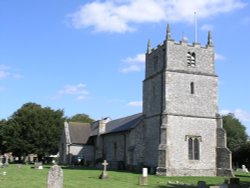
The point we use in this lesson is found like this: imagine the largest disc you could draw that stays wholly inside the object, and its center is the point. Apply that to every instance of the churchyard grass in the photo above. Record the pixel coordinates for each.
(28, 177)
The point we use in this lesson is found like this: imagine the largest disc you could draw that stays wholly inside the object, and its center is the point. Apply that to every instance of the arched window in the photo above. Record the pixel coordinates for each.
(189, 58)
(194, 147)
(192, 87)
(190, 149)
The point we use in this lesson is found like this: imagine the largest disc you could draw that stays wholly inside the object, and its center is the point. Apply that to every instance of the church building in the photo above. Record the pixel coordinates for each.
(179, 132)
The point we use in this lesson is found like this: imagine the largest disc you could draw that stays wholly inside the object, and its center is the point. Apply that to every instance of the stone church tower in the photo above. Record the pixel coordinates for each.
(183, 131)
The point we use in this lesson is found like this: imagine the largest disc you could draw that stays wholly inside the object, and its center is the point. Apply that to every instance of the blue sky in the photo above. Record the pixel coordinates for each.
(88, 56)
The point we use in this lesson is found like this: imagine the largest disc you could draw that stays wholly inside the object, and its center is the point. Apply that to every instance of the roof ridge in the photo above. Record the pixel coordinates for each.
(127, 116)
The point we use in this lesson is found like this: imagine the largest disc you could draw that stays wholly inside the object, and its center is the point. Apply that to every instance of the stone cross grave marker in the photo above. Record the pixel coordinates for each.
(55, 177)
(104, 174)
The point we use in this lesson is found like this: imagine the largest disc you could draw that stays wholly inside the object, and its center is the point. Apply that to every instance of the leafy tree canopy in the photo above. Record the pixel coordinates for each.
(34, 129)
(83, 118)
(236, 132)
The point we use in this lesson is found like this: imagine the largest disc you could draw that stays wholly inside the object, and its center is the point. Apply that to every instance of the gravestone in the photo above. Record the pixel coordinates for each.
(38, 165)
(6, 160)
(104, 174)
(214, 186)
(244, 169)
(201, 184)
(143, 180)
(1, 161)
(55, 177)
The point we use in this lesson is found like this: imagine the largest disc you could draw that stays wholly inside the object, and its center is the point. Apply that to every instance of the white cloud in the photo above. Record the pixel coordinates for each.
(219, 57)
(124, 15)
(135, 104)
(246, 20)
(239, 113)
(242, 115)
(5, 71)
(79, 91)
(225, 112)
(133, 64)
(207, 27)
(4, 74)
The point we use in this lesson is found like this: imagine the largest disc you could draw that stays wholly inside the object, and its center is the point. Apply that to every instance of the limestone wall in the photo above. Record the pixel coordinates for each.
(180, 100)
(152, 140)
(179, 128)
(177, 58)
(136, 145)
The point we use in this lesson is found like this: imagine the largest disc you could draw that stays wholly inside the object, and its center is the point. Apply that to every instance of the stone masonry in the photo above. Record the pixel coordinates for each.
(180, 105)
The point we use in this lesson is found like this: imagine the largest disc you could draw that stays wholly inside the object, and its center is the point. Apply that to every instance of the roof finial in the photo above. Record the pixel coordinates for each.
(168, 37)
(149, 46)
(209, 39)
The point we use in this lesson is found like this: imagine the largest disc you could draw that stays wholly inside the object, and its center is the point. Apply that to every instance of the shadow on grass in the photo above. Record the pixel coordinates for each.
(95, 169)
(176, 186)
(242, 176)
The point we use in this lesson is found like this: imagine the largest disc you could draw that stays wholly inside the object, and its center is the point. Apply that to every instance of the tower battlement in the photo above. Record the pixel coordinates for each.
(181, 57)
(181, 42)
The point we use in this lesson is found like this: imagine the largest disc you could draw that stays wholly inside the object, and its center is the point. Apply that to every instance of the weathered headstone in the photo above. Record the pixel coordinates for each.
(143, 180)
(1, 161)
(55, 177)
(39, 165)
(104, 174)
(6, 160)
(201, 184)
(244, 169)
(214, 186)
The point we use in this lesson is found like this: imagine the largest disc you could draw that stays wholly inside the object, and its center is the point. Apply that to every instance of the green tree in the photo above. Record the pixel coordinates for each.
(83, 118)
(2, 146)
(33, 129)
(236, 136)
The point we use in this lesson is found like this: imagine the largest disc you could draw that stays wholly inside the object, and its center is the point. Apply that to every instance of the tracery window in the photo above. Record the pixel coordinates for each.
(194, 147)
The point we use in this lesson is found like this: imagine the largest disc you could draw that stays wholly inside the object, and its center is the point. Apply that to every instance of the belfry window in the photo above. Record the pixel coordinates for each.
(194, 147)
(191, 59)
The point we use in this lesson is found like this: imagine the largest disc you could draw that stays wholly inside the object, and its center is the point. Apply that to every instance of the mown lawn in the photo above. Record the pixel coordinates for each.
(27, 177)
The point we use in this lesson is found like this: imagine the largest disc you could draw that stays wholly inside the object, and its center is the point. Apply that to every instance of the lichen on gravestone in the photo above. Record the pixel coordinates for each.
(55, 177)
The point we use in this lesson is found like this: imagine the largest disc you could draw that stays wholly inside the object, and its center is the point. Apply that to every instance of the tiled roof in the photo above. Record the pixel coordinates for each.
(119, 125)
(123, 124)
(79, 132)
